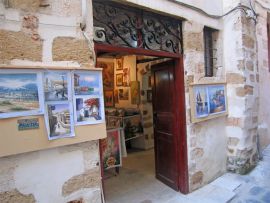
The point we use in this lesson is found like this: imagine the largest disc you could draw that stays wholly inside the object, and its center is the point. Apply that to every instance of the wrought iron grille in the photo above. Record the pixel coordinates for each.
(130, 27)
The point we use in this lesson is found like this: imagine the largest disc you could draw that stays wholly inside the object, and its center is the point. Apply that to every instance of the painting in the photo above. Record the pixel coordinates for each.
(87, 83)
(123, 94)
(56, 86)
(135, 92)
(149, 96)
(201, 99)
(116, 98)
(59, 121)
(207, 101)
(119, 79)
(111, 150)
(109, 98)
(126, 77)
(119, 64)
(114, 122)
(88, 110)
(217, 101)
(21, 93)
(107, 74)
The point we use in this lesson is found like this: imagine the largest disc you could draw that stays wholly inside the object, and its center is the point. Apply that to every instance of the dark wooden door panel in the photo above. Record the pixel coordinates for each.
(165, 124)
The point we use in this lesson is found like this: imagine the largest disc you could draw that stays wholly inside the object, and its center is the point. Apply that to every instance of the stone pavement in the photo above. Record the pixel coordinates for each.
(133, 186)
(256, 185)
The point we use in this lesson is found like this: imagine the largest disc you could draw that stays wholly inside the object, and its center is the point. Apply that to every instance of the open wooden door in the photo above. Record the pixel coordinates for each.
(165, 123)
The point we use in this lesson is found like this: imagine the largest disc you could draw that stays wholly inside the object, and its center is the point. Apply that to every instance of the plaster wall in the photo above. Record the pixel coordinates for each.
(32, 35)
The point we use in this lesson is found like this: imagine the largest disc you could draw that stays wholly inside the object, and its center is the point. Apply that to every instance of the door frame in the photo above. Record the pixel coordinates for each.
(180, 107)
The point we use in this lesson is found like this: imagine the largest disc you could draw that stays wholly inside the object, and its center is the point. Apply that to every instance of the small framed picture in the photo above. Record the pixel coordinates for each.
(119, 79)
(119, 64)
(109, 100)
(149, 95)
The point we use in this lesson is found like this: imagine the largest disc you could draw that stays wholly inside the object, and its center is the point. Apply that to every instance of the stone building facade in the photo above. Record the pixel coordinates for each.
(47, 33)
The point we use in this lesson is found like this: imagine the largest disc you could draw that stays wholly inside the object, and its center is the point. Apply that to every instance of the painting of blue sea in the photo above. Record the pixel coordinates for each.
(87, 83)
(217, 101)
(18, 92)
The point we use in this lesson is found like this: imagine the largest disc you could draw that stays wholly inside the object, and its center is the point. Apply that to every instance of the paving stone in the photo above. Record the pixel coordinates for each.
(252, 201)
(266, 197)
(256, 190)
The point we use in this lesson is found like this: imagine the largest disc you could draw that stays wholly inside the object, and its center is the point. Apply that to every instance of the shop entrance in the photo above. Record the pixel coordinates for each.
(166, 158)
(152, 43)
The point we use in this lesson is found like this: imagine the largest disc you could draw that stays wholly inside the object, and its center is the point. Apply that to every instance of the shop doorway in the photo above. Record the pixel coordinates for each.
(168, 102)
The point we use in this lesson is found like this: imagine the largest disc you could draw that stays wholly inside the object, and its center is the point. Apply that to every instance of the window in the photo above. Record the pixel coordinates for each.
(210, 51)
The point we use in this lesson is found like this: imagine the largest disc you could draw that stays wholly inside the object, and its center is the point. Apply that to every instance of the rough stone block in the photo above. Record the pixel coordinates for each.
(15, 196)
(197, 153)
(91, 178)
(30, 26)
(248, 41)
(25, 5)
(235, 78)
(71, 49)
(257, 78)
(243, 91)
(197, 178)
(18, 45)
(193, 41)
(252, 78)
(233, 141)
(148, 125)
(250, 65)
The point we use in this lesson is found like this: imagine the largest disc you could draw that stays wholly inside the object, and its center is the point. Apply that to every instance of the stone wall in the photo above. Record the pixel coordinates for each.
(47, 33)
(206, 139)
(242, 82)
(263, 77)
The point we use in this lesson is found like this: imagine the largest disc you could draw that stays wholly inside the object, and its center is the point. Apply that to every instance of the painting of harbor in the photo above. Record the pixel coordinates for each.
(87, 83)
(59, 120)
(55, 86)
(18, 93)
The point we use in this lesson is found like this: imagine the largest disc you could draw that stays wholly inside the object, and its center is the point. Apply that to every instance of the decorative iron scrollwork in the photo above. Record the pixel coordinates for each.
(124, 26)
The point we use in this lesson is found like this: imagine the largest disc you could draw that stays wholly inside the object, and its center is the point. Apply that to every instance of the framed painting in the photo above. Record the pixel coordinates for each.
(208, 101)
(119, 64)
(119, 79)
(21, 93)
(123, 94)
(135, 92)
(107, 74)
(109, 98)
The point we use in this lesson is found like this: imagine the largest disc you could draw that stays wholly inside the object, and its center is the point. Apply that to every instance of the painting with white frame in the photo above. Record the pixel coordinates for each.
(88, 97)
(21, 93)
(59, 115)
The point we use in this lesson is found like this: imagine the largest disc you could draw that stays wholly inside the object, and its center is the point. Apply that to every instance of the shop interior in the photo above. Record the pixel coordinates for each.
(127, 153)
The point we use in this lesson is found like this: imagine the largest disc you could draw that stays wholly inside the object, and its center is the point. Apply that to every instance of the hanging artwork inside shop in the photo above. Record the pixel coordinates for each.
(88, 99)
(123, 94)
(119, 79)
(126, 77)
(201, 98)
(119, 64)
(109, 98)
(111, 150)
(21, 93)
(208, 101)
(135, 92)
(149, 96)
(116, 98)
(107, 74)
(56, 86)
(59, 120)
(87, 83)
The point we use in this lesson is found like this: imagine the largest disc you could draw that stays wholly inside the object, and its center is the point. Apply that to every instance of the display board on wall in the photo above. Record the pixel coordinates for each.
(208, 101)
(52, 96)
